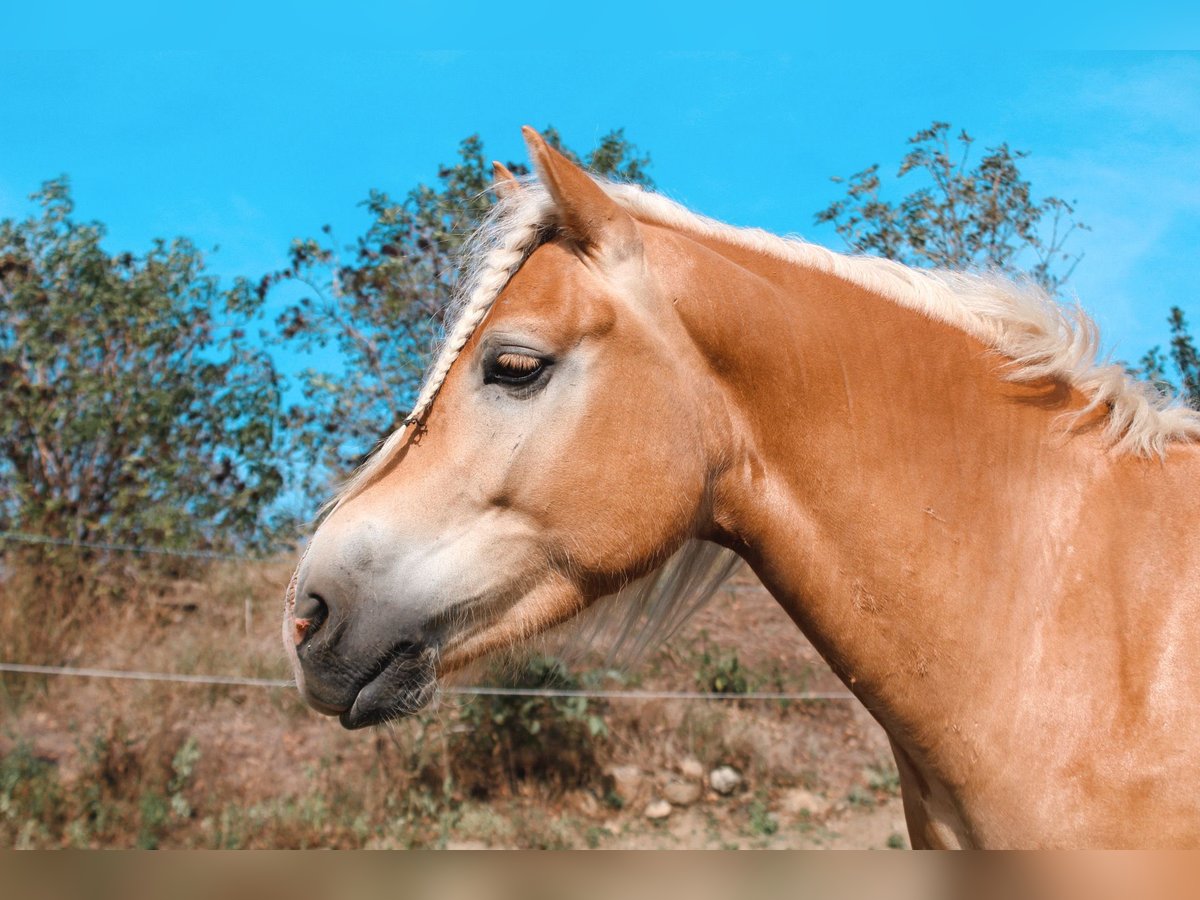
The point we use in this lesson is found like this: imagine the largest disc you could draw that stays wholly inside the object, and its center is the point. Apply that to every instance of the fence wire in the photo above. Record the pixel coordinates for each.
(465, 690)
(19, 537)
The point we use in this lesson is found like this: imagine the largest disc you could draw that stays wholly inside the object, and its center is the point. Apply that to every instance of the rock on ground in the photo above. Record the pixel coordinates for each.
(681, 793)
(724, 780)
(627, 782)
(658, 810)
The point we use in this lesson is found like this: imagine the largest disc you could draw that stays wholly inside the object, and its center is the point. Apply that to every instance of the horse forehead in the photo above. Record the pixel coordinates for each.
(552, 277)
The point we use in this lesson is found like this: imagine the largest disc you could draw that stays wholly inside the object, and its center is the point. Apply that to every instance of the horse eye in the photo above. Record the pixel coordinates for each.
(515, 368)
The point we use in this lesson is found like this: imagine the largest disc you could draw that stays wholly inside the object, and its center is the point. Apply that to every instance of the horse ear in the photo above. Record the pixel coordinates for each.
(504, 182)
(588, 214)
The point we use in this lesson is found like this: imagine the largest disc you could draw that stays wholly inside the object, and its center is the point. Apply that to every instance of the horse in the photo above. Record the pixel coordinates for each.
(990, 535)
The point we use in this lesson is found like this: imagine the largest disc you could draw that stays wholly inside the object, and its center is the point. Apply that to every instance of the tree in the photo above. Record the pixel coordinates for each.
(380, 301)
(132, 407)
(959, 217)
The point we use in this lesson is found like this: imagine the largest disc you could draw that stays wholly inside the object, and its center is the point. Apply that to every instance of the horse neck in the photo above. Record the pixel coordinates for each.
(878, 473)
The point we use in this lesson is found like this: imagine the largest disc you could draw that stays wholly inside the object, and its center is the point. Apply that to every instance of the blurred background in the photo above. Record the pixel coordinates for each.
(222, 272)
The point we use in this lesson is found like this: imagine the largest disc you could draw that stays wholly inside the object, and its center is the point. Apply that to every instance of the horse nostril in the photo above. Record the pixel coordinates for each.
(310, 614)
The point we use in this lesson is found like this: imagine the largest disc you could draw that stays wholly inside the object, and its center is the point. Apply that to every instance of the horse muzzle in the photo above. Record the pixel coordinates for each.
(364, 663)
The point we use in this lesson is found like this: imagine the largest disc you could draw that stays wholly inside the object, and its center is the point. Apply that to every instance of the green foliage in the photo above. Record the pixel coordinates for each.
(380, 300)
(183, 766)
(720, 672)
(133, 407)
(160, 809)
(1185, 357)
(503, 740)
(860, 796)
(1184, 361)
(959, 217)
(31, 802)
(880, 781)
(884, 778)
(126, 788)
(1153, 368)
(762, 822)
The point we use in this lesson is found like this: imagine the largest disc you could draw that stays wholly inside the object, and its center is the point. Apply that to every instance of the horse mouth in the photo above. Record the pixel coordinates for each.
(401, 686)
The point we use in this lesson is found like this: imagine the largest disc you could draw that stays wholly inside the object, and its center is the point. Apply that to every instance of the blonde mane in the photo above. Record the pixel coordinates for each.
(1041, 337)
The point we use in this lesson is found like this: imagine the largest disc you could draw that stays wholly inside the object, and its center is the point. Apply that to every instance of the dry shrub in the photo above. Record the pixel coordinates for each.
(53, 600)
(499, 742)
(46, 605)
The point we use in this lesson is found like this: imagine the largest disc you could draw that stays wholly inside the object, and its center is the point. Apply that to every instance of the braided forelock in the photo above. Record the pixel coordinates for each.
(517, 225)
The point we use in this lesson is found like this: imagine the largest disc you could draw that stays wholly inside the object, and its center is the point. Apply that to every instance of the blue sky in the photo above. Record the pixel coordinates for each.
(247, 143)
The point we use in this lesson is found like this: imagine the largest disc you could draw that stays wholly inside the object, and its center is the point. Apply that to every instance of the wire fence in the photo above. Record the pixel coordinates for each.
(19, 537)
(277, 683)
(465, 690)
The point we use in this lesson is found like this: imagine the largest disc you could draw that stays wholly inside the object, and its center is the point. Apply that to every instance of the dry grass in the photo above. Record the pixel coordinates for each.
(101, 763)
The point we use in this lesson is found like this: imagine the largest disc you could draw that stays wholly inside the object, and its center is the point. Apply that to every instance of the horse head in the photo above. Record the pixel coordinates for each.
(569, 452)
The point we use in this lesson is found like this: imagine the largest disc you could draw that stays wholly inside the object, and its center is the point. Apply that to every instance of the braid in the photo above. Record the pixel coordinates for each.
(509, 234)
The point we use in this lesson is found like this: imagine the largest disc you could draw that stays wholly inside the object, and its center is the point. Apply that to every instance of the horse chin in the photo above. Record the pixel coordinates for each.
(405, 686)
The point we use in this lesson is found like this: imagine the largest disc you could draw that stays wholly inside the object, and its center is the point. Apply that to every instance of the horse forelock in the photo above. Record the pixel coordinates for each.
(514, 227)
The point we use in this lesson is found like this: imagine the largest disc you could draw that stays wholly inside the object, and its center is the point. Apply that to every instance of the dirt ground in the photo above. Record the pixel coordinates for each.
(254, 767)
